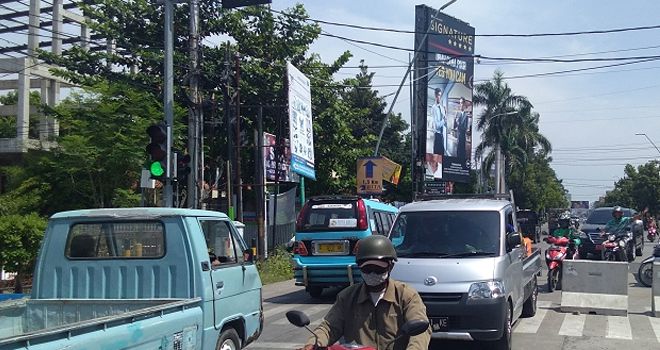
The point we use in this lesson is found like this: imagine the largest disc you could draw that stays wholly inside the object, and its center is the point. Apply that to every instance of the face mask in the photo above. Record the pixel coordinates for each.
(374, 279)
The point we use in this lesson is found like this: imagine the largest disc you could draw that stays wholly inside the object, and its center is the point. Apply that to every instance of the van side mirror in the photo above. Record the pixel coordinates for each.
(513, 240)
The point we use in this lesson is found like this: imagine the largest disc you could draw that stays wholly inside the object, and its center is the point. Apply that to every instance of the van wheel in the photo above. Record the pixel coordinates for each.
(228, 340)
(315, 292)
(529, 308)
(504, 343)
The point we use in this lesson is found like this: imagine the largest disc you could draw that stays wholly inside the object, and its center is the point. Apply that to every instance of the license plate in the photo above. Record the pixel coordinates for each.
(439, 324)
(325, 248)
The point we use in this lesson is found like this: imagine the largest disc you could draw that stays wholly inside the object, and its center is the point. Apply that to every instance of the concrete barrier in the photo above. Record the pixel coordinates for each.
(595, 287)
(655, 296)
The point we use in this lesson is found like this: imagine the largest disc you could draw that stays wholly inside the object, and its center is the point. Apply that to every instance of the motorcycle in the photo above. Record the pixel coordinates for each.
(409, 329)
(615, 247)
(645, 272)
(559, 248)
(651, 234)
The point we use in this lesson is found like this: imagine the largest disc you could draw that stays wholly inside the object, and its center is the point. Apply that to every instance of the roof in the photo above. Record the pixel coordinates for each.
(457, 205)
(141, 212)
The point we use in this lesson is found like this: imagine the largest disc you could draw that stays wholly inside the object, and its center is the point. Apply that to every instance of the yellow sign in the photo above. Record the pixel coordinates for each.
(369, 176)
(391, 171)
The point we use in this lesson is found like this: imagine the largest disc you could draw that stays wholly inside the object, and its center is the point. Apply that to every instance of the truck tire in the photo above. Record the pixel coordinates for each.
(315, 292)
(228, 340)
(504, 343)
(529, 308)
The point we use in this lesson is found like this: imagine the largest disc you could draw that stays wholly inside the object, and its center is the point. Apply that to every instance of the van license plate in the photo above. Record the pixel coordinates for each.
(325, 248)
(440, 324)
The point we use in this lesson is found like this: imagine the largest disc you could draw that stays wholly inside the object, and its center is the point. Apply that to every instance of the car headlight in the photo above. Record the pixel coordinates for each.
(486, 290)
(622, 244)
(611, 238)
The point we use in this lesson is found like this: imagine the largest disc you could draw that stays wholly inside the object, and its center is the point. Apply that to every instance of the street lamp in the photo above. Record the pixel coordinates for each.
(648, 138)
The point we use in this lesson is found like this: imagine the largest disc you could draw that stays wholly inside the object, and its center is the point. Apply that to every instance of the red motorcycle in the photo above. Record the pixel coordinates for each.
(559, 248)
(409, 329)
(651, 234)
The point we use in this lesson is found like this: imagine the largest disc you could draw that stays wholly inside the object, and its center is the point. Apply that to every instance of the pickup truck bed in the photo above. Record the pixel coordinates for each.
(25, 321)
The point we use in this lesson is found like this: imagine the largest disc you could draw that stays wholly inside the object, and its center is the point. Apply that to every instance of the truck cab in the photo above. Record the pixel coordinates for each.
(464, 257)
(138, 278)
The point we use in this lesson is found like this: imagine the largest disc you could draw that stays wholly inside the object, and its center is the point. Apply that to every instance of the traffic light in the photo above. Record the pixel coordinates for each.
(157, 150)
(183, 167)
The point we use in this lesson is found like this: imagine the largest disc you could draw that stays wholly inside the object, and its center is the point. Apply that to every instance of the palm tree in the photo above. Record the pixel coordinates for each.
(507, 121)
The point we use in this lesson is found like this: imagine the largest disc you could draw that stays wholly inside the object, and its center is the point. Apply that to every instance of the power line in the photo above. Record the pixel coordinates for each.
(393, 30)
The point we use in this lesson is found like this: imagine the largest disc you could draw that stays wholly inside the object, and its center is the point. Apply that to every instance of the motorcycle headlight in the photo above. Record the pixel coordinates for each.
(622, 244)
(486, 290)
(611, 238)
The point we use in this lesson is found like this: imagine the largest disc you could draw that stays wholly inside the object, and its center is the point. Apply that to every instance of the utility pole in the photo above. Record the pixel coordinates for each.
(261, 185)
(237, 165)
(230, 139)
(168, 96)
(194, 113)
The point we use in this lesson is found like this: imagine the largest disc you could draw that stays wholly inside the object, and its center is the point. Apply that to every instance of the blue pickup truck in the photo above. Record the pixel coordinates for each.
(138, 278)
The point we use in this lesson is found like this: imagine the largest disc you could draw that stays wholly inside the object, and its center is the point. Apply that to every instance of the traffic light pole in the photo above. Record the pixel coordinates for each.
(168, 97)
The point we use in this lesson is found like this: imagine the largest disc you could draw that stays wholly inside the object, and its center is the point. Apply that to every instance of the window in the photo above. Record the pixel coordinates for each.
(223, 247)
(116, 240)
(329, 216)
(379, 223)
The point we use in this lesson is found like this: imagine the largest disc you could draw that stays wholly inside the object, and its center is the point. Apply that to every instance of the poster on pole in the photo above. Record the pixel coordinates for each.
(271, 162)
(301, 133)
(444, 71)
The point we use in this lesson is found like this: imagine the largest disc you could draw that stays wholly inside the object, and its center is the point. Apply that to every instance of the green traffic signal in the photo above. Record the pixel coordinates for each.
(157, 169)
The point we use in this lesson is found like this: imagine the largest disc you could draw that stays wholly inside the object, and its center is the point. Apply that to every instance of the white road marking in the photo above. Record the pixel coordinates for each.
(655, 324)
(531, 325)
(309, 311)
(573, 325)
(618, 327)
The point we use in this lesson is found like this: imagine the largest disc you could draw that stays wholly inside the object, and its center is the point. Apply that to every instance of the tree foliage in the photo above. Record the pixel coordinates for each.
(21, 237)
(639, 188)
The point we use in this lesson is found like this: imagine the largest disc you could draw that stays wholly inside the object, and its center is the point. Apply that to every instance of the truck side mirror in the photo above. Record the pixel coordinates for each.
(513, 240)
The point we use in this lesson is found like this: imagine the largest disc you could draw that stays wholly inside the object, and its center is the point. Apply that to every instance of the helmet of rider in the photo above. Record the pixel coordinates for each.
(617, 212)
(375, 247)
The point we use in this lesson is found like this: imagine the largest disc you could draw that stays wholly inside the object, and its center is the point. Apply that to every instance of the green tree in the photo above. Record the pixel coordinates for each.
(639, 188)
(8, 123)
(20, 238)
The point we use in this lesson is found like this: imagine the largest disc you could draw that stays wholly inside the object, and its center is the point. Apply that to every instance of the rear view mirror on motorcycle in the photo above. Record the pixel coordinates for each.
(297, 318)
(413, 328)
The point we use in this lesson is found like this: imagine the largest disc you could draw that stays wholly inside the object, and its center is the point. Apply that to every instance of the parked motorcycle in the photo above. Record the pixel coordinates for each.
(615, 247)
(560, 249)
(409, 329)
(645, 271)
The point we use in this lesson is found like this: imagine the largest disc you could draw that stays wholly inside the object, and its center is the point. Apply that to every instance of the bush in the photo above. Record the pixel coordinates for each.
(277, 267)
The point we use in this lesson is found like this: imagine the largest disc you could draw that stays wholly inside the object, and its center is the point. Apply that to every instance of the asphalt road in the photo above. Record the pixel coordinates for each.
(549, 329)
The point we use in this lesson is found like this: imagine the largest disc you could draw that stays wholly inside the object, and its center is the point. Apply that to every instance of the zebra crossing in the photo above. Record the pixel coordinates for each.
(548, 322)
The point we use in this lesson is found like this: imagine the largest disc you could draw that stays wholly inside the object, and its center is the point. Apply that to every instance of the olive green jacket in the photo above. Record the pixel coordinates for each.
(355, 317)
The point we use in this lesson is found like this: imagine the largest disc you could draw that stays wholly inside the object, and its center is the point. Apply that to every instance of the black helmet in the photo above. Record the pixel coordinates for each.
(617, 209)
(375, 247)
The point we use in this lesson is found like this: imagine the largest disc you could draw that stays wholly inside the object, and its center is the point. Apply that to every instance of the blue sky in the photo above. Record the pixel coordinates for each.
(591, 118)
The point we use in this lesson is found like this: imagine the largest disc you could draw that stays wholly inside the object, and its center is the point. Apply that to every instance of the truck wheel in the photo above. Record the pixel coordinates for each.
(228, 340)
(529, 308)
(315, 292)
(504, 343)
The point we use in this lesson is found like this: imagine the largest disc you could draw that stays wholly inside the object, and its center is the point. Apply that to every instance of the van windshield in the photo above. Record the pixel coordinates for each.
(447, 234)
(324, 216)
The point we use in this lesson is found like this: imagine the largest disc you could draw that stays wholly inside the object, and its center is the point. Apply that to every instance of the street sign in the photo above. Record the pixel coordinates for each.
(230, 4)
(391, 171)
(369, 176)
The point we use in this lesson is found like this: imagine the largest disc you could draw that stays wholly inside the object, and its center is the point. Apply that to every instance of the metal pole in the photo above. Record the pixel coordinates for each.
(498, 173)
(168, 96)
(405, 76)
(239, 181)
(648, 138)
(261, 185)
(413, 136)
(194, 111)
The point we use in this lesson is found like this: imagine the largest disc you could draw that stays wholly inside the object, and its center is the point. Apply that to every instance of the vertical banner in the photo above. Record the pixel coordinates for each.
(444, 72)
(301, 132)
(270, 162)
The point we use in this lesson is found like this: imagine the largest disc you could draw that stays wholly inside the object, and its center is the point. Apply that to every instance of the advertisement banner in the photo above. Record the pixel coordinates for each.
(444, 72)
(391, 170)
(301, 133)
(270, 162)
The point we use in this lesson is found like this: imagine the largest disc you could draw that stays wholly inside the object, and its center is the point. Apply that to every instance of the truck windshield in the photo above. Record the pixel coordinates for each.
(447, 234)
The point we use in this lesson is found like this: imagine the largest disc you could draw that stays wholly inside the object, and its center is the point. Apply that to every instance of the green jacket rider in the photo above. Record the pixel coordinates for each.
(565, 229)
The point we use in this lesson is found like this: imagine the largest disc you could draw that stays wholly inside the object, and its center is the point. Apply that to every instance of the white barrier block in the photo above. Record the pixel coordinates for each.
(655, 296)
(597, 287)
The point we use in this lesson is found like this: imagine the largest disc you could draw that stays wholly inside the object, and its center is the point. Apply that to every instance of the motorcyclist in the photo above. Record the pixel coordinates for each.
(567, 230)
(619, 223)
(370, 313)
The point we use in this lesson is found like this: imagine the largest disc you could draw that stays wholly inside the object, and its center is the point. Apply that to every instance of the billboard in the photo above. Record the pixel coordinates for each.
(444, 70)
(301, 133)
(271, 163)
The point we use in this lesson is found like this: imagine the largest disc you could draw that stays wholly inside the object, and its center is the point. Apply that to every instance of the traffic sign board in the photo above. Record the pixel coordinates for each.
(369, 176)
